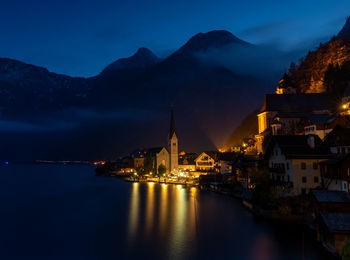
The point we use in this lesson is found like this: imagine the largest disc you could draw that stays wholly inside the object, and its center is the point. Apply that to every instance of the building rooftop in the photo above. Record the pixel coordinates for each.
(337, 222)
(340, 136)
(155, 150)
(296, 102)
(331, 196)
(336, 160)
(297, 146)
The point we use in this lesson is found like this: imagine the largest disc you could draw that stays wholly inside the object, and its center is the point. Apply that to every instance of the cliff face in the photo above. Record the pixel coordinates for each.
(309, 75)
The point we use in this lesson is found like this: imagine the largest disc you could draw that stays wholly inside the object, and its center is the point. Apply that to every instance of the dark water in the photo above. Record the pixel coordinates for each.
(65, 212)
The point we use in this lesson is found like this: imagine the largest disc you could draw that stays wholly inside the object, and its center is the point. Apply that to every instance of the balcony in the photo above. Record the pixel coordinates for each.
(277, 170)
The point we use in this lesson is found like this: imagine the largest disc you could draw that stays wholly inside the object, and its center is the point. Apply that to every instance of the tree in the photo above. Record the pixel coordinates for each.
(345, 250)
(148, 164)
(161, 170)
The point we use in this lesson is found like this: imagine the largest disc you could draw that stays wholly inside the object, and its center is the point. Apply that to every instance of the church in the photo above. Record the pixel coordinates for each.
(166, 156)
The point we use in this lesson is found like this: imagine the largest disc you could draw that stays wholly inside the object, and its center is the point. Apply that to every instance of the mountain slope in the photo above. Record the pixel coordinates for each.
(309, 75)
(27, 88)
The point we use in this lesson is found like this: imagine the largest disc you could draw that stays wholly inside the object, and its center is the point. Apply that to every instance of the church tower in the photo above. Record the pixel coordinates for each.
(173, 145)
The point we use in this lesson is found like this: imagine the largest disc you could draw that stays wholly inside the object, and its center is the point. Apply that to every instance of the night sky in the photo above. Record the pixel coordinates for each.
(81, 37)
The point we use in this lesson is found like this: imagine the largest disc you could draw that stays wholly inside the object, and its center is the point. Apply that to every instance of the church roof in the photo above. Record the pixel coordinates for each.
(172, 125)
(296, 102)
(155, 150)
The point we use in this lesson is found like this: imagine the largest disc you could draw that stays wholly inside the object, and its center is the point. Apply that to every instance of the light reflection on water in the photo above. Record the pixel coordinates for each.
(179, 222)
(150, 205)
(65, 212)
(134, 212)
(169, 213)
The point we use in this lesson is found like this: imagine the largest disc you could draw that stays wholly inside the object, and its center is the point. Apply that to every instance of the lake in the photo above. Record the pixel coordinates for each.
(65, 212)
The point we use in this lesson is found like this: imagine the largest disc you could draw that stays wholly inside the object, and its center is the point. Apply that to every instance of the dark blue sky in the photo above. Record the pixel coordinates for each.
(81, 37)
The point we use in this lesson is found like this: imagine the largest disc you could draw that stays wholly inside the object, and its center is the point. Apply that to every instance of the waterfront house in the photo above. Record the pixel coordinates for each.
(187, 161)
(335, 173)
(326, 201)
(225, 161)
(333, 229)
(243, 166)
(139, 158)
(294, 160)
(206, 162)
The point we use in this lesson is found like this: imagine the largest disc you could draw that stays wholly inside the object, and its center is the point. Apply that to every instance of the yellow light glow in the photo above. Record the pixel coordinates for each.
(151, 183)
(164, 185)
(179, 187)
(344, 106)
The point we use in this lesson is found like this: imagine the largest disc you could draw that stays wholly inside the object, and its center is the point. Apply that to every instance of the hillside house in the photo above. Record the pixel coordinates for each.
(281, 114)
(335, 173)
(294, 160)
(338, 140)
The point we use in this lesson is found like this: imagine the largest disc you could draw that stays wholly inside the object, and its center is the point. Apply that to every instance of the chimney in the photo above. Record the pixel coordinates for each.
(311, 141)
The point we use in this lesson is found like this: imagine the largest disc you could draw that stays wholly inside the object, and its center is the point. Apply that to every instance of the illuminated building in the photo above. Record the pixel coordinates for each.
(173, 146)
(206, 162)
(281, 113)
(345, 104)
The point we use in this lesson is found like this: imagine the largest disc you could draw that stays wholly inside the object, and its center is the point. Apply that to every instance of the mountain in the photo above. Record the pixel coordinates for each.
(26, 88)
(212, 39)
(143, 58)
(344, 33)
(309, 75)
(126, 105)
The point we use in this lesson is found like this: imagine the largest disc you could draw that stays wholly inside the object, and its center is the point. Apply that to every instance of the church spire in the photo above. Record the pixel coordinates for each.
(172, 124)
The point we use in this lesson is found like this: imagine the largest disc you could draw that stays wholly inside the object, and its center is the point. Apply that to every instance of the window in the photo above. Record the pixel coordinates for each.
(174, 144)
(315, 166)
(287, 166)
(303, 166)
(288, 178)
(344, 185)
(303, 179)
(315, 179)
(303, 191)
